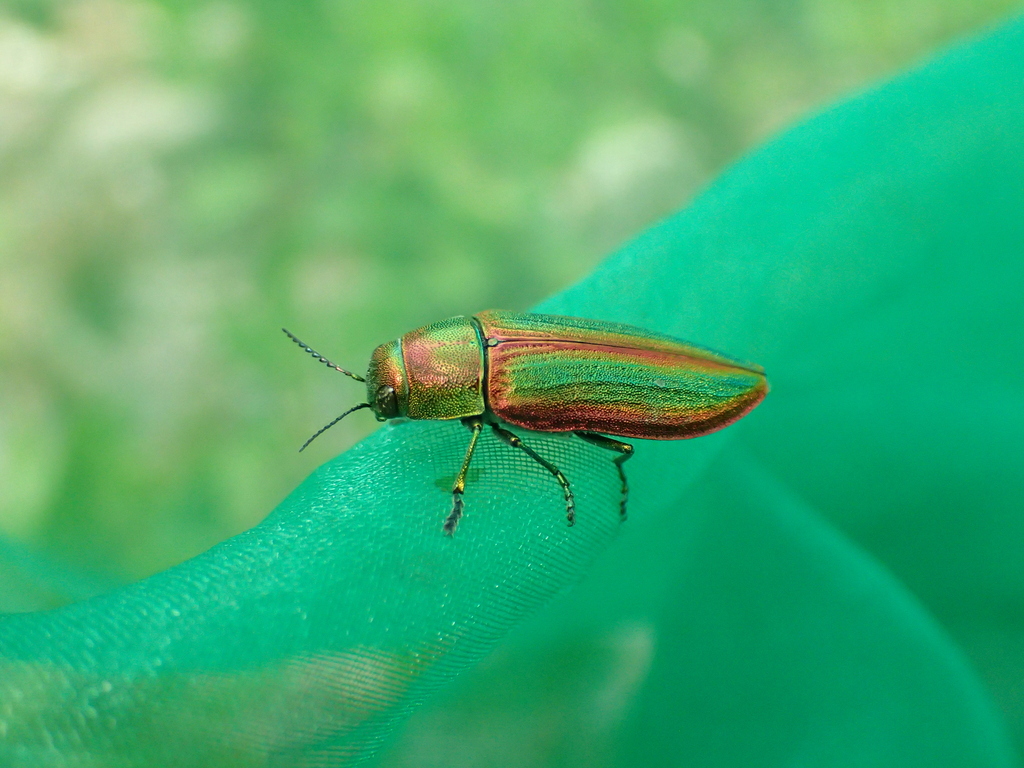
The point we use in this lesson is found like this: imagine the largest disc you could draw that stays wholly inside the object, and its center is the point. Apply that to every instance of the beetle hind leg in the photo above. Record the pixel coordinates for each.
(474, 425)
(625, 451)
(512, 439)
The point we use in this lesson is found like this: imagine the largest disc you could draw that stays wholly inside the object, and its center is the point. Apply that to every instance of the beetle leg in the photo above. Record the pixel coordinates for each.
(513, 440)
(475, 425)
(625, 450)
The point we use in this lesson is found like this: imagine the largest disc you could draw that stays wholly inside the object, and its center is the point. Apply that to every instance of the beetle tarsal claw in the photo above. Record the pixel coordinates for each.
(453, 518)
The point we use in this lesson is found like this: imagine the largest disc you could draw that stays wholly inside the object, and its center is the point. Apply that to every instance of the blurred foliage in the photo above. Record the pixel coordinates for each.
(179, 180)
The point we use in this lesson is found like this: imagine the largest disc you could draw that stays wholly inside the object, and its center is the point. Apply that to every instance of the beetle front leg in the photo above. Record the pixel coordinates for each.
(513, 440)
(626, 451)
(475, 425)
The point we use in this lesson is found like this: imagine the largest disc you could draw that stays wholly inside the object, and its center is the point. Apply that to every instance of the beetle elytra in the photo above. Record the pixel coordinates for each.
(554, 374)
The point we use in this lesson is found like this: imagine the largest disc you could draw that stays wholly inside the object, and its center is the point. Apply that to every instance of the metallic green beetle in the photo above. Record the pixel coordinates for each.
(554, 374)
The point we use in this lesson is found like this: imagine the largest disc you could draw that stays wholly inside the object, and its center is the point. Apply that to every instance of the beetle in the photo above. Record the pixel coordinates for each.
(550, 373)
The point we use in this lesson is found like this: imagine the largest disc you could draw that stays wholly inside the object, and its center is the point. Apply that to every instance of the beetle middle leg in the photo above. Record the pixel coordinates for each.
(475, 425)
(625, 451)
(512, 439)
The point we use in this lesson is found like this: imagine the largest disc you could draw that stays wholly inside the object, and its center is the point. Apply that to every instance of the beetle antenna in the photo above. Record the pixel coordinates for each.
(320, 357)
(324, 429)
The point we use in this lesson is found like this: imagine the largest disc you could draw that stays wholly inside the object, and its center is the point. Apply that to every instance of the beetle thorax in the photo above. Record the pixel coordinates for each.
(436, 372)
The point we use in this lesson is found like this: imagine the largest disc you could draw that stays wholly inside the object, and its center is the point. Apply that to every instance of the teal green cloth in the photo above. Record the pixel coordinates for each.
(836, 581)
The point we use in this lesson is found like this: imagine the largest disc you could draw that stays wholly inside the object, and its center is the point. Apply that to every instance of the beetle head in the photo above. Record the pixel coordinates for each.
(386, 388)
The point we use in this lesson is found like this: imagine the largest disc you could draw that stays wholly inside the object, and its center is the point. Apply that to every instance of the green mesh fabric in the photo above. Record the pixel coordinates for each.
(837, 581)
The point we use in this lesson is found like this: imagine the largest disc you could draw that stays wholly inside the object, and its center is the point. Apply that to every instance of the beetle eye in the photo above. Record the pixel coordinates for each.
(387, 402)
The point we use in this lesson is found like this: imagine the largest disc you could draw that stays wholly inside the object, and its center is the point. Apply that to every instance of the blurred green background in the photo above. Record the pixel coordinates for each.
(180, 179)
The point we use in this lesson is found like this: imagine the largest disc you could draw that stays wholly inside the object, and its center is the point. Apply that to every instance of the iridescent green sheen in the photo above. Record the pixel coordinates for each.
(563, 374)
(444, 370)
(388, 370)
(503, 325)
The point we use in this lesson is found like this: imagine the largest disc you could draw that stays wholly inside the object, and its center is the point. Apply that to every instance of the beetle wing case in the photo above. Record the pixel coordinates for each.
(560, 374)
